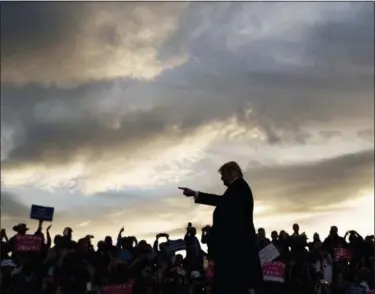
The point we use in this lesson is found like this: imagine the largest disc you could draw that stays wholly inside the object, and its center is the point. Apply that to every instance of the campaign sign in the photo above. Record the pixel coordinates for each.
(356, 289)
(174, 245)
(268, 253)
(28, 243)
(43, 213)
(118, 288)
(274, 271)
(341, 253)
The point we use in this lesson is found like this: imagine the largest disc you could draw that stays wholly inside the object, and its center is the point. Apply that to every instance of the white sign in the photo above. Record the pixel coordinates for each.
(268, 254)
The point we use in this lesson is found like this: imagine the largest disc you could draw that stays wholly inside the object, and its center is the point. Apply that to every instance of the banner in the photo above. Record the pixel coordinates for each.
(43, 213)
(274, 271)
(174, 245)
(268, 253)
(118, 288)
(29, 243)
(341, 253)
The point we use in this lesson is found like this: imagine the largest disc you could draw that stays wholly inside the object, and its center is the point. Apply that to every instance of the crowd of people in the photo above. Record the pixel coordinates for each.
(36, 263)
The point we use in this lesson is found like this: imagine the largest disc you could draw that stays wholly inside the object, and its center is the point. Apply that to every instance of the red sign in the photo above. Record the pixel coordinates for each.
(29, 243)
(274, 271)
(118, 288)
(210, 271)
(341, 253)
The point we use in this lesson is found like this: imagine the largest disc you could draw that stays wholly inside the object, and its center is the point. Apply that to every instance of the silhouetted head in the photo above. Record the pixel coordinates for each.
(57, 240)
(68, 233)
(334, 231)
(230, 171)
(193, 231)
(144, 247)
(296, 228)
(352, 237)
(83, 244)
(178, 260)
(108, 241)
(21, 229)
(101, 246)
(283, 235)
(261, 232)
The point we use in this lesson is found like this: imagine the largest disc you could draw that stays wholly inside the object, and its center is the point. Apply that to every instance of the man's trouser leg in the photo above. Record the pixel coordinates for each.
(230, 283)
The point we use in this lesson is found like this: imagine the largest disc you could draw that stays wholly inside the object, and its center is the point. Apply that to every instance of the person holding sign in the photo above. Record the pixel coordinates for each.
(237, 265)
(22, 244)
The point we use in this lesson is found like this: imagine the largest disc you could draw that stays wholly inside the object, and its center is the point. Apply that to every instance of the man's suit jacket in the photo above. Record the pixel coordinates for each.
(234, 243)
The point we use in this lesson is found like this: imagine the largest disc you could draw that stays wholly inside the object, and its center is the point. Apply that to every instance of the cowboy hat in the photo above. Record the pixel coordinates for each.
(20, 227)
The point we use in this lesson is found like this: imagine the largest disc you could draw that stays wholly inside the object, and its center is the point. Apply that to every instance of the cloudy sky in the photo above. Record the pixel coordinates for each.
(107, 107)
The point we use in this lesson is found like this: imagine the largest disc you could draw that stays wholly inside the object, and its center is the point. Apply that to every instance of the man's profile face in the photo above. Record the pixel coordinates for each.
(226, 177)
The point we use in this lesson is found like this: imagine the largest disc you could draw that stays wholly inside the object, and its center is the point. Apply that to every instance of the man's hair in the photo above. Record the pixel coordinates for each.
(231, 166)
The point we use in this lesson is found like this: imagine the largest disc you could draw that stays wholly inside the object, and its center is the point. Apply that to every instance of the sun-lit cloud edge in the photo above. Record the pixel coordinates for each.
(171, 158)
(145, 220)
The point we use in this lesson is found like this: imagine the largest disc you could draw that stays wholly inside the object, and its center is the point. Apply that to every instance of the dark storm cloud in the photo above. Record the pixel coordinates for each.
(229, 72)
(323, 34)
(302, 187)
(74, 42)
(12, 207)
(29, 28)
(277, 112)
(333, 40)
(334, 75)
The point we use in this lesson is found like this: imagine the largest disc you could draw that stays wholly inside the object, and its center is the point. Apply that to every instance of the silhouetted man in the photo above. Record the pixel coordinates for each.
(234, 244)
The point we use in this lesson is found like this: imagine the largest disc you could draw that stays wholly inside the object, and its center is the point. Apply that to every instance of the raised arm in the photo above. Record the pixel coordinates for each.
(3, 235)
(40, 228)
(156, 244)
(49, 241)
(119, 237)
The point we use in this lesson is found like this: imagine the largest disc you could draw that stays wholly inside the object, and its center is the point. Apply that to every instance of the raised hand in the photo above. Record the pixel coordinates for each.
(49, 227)
(187, 192)
(3, 234)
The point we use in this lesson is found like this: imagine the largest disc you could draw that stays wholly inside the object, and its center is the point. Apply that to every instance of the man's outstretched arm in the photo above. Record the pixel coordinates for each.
(201, 198)
(206, 199)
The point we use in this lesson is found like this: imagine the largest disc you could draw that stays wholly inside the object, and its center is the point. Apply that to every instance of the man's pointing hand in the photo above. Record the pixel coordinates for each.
(187, 192)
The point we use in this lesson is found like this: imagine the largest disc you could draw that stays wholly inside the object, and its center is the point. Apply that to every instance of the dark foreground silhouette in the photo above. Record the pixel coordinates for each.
(32, 263)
